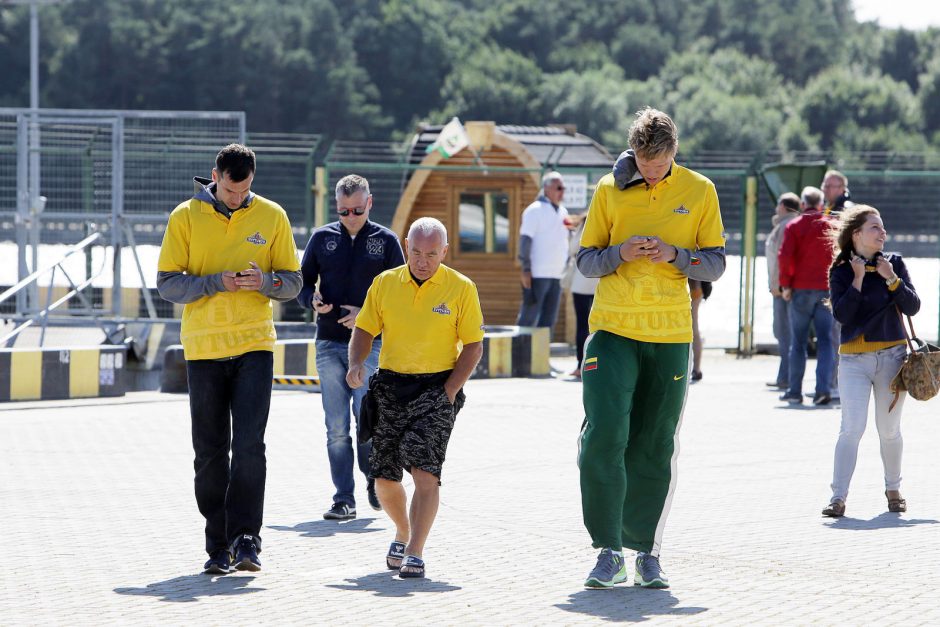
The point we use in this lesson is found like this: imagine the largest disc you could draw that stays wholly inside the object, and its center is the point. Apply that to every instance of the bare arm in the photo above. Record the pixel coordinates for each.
(466, 362)
(359, 348)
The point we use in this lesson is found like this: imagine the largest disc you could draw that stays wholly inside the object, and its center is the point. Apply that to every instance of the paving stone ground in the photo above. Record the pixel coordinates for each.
(100, 525)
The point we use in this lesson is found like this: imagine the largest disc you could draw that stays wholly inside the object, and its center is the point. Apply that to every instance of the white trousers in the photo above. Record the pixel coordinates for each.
(859, 376)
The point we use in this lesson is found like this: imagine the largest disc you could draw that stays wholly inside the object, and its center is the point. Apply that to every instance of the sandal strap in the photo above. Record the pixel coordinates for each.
(412, 561)
(396, 550)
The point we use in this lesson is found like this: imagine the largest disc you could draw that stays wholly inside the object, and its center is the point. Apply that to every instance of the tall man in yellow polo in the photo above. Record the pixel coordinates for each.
(425, 311)
(652, 225)
(226, 254)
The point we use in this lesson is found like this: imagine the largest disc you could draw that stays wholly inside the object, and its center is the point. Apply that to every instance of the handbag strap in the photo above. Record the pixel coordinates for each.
(907, 336)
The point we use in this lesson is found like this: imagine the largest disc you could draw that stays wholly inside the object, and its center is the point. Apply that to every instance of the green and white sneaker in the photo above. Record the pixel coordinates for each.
(649, 573)
(610, 569)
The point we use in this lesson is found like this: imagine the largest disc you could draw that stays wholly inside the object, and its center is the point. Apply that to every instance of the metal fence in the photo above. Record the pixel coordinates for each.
(72, 171)
(112, 168)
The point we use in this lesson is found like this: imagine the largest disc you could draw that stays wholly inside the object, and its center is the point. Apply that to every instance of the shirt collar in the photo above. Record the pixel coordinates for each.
(437, 278)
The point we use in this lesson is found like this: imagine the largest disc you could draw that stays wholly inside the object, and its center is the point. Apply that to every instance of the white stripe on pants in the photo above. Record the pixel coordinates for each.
(859, 375)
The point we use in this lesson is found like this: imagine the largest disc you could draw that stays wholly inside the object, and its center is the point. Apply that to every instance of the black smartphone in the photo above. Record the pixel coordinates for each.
(241, 274)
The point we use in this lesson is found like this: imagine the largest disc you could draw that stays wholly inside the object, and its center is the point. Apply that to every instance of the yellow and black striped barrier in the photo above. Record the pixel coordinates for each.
(300, 381)
(32, 374)
(295, 364)
(507, 352)
(514, 352)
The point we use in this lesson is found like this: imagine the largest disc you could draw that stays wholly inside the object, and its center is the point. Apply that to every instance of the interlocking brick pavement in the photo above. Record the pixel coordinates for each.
(100, 524)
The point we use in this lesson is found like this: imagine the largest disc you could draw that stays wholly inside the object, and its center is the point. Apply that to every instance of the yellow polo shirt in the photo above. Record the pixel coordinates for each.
(422, 326)
(200, 241)
(642, 300)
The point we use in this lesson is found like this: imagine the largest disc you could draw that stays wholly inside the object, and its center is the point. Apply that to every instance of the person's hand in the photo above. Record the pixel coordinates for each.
(355, 376)
(349, 320)
(319, 306)
(250, 279)
(886, 270)
(526, 280)
(858, 266)
(637, 247)
(228, 282)
(775, 291)
(786, 293)
(451, 392)
(660, 251)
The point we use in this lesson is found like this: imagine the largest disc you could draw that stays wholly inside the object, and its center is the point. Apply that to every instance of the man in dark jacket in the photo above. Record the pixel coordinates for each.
(804, 261)
(345, 256)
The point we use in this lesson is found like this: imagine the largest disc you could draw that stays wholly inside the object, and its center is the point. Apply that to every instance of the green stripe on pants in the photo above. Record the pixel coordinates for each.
(633, 401)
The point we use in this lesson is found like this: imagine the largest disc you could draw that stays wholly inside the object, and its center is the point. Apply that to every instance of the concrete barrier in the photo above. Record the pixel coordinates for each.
(28, 374)
(507, 352)
(512, 351)
(295, 364)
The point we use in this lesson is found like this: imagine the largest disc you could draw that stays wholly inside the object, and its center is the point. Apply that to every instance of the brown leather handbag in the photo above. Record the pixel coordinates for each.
(920, 372)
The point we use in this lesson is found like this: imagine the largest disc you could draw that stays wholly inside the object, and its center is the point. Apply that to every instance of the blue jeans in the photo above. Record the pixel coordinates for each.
(782, 334)
(332, 364)
(229, 402)
(807, 306)
(540, 303)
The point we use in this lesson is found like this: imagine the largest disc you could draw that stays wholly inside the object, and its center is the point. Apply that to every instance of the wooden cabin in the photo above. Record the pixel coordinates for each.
(480, 195)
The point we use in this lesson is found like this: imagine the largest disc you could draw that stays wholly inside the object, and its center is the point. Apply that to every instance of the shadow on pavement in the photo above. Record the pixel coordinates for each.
(327, 528)
(388, 584)
(810, 407)
(189, 588)
(886, 520)
(627, 603)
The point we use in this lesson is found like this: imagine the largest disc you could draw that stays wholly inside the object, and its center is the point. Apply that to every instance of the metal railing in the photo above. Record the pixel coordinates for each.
(42, 316)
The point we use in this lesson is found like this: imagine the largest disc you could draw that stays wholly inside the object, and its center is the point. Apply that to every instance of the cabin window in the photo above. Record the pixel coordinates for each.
(484, 221)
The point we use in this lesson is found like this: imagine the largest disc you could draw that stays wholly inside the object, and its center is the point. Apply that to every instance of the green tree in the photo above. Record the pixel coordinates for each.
(493, 84)
(14, 50)
(595, 101)
(841, 100)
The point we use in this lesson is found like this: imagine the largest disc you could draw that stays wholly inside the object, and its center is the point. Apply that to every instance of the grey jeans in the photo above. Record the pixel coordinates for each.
(859, 376)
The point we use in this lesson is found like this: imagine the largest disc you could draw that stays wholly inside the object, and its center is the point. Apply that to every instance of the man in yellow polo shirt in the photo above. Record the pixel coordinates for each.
(424, 311)
(651, 226)
(226, 254)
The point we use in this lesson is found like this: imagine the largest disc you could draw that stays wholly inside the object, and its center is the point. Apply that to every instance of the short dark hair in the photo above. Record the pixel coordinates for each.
(236, 160)
(790, 200)
(351, 184)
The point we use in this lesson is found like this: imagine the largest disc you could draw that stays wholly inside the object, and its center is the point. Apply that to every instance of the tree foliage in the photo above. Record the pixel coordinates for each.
(736, 74)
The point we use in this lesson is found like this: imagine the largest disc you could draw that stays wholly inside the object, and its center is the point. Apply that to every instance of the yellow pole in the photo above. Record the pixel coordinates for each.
(319, 197)
(748, 266)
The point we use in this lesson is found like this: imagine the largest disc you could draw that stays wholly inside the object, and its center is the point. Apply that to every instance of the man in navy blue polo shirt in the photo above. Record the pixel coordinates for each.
(345, 256)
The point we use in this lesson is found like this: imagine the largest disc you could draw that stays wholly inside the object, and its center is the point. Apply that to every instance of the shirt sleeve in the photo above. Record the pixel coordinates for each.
(711, 233)
(470, 317)
(310, 270)
(174, 251)
(369, 318)
(785, 267)
(284, 250)
(394, 255)
(596, 232)
(529, 224)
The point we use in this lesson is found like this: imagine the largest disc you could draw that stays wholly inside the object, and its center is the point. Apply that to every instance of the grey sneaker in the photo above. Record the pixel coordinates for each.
(610, 569)
(340, 511)
(649, 573)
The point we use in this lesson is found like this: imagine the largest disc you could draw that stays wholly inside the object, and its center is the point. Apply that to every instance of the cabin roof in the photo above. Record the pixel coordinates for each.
(552, 146)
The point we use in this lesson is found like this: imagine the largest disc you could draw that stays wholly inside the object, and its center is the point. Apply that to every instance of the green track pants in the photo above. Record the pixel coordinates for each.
(634, 395)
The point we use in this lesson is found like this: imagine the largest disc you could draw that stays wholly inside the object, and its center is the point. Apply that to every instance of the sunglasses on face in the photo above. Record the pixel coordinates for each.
(355, 211)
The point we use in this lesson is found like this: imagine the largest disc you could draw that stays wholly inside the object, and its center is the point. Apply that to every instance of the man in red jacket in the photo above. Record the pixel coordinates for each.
(804, 261)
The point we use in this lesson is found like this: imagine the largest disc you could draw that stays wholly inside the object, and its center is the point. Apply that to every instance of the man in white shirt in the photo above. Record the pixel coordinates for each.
(543, 252)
